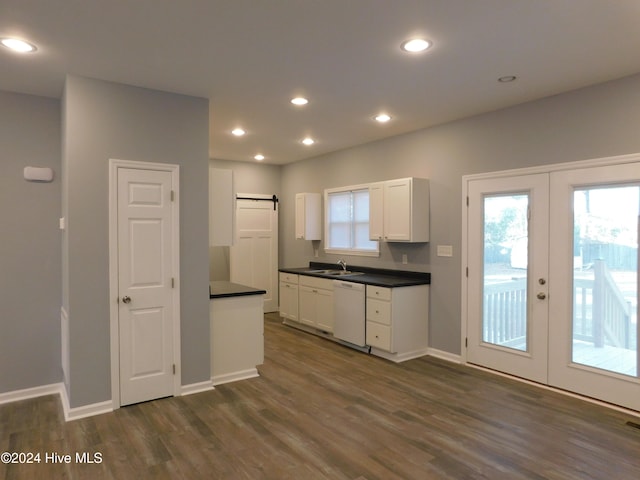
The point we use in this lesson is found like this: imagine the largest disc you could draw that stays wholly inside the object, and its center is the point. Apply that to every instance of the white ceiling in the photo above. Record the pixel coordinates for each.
(249, 57)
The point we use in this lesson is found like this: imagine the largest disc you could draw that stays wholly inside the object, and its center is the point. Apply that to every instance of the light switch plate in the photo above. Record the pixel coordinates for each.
(444, 251)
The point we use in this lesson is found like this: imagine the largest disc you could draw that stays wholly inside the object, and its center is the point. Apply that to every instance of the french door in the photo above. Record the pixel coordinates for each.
(507, 272)
(552, 280)
(593, 332)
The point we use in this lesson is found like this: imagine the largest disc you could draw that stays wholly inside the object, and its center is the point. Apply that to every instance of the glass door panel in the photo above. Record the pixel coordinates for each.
(505, 264)
(605, 278)
(593, 298)
(507, 254)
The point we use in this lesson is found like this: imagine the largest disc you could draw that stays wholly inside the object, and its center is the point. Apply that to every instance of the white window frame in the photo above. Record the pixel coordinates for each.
(345, 251)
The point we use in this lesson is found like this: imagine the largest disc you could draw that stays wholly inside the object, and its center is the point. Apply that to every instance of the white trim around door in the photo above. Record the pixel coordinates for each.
(174, 170)
(569, 266)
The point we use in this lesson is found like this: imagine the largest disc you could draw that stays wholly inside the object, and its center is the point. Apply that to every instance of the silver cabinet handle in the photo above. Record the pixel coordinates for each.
(126, 299)
(541, 296)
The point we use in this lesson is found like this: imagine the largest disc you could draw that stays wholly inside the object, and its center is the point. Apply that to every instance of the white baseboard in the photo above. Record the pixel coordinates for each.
(196, 388)
(41, 391)
(441, 354)
(399, 357)
(235, 376)
(57, 389)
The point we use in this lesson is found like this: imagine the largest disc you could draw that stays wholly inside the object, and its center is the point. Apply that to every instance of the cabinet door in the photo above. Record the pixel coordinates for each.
(289, 301)
(308, 215)
(397, 210)
(376, 211)
(324, 310)
(307, 305)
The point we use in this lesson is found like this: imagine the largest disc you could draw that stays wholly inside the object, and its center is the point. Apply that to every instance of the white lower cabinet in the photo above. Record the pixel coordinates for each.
(289, 296)
(397, 321)
(315, 303)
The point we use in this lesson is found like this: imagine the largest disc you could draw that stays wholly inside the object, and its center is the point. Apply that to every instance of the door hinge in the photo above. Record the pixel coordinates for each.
(466, 342)
(467, 271)
(173, 195)
(173, 283)
(174, 368)
(467, 201)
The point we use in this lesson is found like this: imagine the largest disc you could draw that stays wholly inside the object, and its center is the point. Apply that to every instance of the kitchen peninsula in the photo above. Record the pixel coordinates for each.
(237, 331)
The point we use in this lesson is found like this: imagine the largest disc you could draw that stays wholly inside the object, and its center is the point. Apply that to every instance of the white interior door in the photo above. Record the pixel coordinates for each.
(146, 250)
(593, 343)
(507, 319)
(254, 254)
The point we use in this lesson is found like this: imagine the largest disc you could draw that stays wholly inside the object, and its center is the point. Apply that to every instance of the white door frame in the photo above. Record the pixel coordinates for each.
(464, 261)
(114, 165)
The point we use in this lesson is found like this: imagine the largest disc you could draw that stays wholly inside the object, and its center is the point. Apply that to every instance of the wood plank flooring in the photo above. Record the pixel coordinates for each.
(322, 411)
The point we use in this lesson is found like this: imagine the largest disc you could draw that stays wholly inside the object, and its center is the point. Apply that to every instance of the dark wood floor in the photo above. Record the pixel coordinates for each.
(323, 411)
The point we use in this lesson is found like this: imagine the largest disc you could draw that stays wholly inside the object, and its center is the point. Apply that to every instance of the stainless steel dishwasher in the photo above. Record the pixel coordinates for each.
(349, 309)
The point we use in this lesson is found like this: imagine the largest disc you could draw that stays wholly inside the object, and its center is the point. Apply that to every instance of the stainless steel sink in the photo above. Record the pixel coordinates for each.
(336, 273)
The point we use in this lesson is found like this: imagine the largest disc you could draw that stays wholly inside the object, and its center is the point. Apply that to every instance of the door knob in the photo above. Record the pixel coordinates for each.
(126, 299)
(541, 296)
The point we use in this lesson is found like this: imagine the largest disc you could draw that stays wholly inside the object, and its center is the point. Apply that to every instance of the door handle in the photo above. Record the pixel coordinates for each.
(126, 299)
(541, 296)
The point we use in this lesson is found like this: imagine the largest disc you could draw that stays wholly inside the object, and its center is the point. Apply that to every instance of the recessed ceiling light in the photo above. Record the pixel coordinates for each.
(299, 101)
(308, 141)
(238, 132)
(415, 45)
(382, 118)
(507, 79)
(259, 157)
(18, 45)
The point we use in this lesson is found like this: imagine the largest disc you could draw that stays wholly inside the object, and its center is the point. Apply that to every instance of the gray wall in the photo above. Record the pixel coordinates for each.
(589, 123)
(30, 258)
(257, 178)
(103, 120)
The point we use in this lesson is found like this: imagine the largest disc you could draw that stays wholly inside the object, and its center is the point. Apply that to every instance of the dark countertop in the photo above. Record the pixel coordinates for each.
(370, 276)
(222, 289)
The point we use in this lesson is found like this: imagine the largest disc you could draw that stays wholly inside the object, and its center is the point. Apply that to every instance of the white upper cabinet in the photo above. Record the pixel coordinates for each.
(399, 210)
(308, 216)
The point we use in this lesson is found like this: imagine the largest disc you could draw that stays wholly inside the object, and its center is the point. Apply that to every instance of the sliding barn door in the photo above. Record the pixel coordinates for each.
(254, 254)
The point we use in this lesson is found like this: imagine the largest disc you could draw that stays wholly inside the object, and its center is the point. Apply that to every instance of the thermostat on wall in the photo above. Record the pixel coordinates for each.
(38, 174)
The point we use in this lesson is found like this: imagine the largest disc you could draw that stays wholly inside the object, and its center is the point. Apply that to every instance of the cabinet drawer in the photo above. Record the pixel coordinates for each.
(316, 282)
(288, 277)
(379, 292)
(379, 311)
(379, 336)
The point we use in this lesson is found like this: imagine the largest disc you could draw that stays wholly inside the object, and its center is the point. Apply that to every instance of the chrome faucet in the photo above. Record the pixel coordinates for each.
(343, 264)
